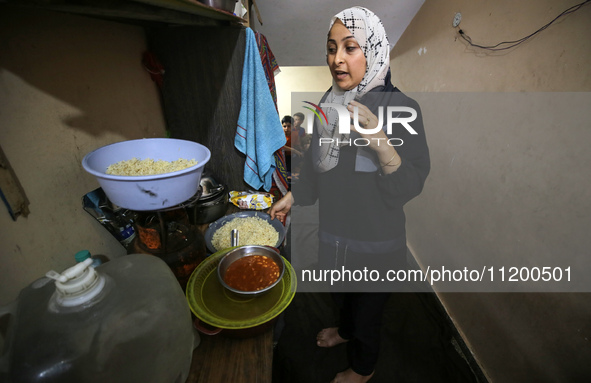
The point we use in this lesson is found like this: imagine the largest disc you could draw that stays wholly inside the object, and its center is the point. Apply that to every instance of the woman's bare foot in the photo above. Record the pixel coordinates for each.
(329, 337)
(350, 376)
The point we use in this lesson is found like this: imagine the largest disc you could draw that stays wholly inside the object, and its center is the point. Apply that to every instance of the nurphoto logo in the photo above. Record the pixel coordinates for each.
(402, 115)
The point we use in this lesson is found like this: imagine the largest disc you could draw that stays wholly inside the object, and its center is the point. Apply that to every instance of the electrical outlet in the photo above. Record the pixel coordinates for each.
(457, 19)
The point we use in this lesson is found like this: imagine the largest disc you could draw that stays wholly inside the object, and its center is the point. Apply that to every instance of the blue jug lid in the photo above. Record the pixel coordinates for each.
(82, 255)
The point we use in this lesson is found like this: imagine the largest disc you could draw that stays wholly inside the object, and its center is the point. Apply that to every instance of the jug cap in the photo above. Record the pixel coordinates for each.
(82, 255)
(78, 284)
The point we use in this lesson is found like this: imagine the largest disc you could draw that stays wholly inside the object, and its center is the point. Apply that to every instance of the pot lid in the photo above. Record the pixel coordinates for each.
(212, 304)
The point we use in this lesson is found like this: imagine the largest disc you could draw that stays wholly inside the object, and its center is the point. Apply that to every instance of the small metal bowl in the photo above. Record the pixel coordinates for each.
(244, 251)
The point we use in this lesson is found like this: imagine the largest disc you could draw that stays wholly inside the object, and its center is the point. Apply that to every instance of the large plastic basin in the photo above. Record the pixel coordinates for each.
(153, 192)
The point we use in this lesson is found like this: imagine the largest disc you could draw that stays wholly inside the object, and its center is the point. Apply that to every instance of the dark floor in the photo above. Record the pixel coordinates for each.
(418, 343)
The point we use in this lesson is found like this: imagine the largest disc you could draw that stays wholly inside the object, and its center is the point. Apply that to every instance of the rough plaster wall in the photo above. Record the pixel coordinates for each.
(516, 337)
(68, 85)
(432, 57)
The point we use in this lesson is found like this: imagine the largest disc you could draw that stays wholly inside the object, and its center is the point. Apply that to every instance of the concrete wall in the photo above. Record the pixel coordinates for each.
(68, 85)
(511, 192)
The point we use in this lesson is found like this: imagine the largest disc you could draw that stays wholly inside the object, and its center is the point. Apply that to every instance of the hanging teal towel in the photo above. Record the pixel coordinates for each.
(259, 133)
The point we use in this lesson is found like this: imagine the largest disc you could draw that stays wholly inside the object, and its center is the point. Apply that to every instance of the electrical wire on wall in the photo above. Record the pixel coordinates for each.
(511, 44)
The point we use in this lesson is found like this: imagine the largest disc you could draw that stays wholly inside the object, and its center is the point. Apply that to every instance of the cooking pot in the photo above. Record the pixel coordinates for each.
(211, 205)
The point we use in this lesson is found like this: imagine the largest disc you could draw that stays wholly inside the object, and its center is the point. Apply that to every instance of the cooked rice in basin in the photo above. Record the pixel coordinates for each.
(251, 231)
(148, 167)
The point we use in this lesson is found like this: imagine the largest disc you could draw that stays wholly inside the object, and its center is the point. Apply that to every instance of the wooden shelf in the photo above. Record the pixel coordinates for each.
(220, 359)
(178, 12)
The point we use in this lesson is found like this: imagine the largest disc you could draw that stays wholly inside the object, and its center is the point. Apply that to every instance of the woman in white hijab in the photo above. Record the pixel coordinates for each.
(360, 188)
(360, 65)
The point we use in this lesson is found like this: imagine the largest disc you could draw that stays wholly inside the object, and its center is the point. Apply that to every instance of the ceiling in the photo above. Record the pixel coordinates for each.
(296, 30)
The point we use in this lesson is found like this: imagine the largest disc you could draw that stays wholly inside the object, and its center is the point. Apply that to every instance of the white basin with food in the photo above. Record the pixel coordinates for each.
(149, 192)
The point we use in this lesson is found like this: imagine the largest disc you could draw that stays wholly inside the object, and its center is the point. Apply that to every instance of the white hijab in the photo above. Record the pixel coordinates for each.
(371, 36)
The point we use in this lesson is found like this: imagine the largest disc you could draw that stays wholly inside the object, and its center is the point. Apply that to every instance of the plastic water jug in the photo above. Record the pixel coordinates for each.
(124, 321)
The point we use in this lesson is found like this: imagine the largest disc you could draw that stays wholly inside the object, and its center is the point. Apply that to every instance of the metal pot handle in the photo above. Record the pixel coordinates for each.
(217, 188)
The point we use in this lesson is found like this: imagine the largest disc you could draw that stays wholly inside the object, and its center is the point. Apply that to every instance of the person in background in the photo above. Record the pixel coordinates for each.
(291, 146)
(305, 141)
(374, 182)
(298, 133)
(286, 123)
(298, 120)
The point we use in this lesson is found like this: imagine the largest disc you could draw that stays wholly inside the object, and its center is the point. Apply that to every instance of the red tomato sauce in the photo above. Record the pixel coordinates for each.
(251, 273)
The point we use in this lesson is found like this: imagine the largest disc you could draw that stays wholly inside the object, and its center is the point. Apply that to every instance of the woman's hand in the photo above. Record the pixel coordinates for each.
(367, 120)
(282, 207)
(389, 159)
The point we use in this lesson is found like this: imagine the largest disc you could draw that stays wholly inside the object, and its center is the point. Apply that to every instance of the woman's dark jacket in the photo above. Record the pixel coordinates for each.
(365, 209)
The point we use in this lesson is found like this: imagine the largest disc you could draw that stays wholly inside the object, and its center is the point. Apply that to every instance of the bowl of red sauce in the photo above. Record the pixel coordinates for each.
(251, 270)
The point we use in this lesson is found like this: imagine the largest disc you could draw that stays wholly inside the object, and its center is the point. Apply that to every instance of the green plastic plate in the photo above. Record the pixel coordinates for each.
(214, 305)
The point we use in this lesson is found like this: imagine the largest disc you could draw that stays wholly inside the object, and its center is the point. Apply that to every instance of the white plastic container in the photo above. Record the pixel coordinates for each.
(154, 192)
(124, 321)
